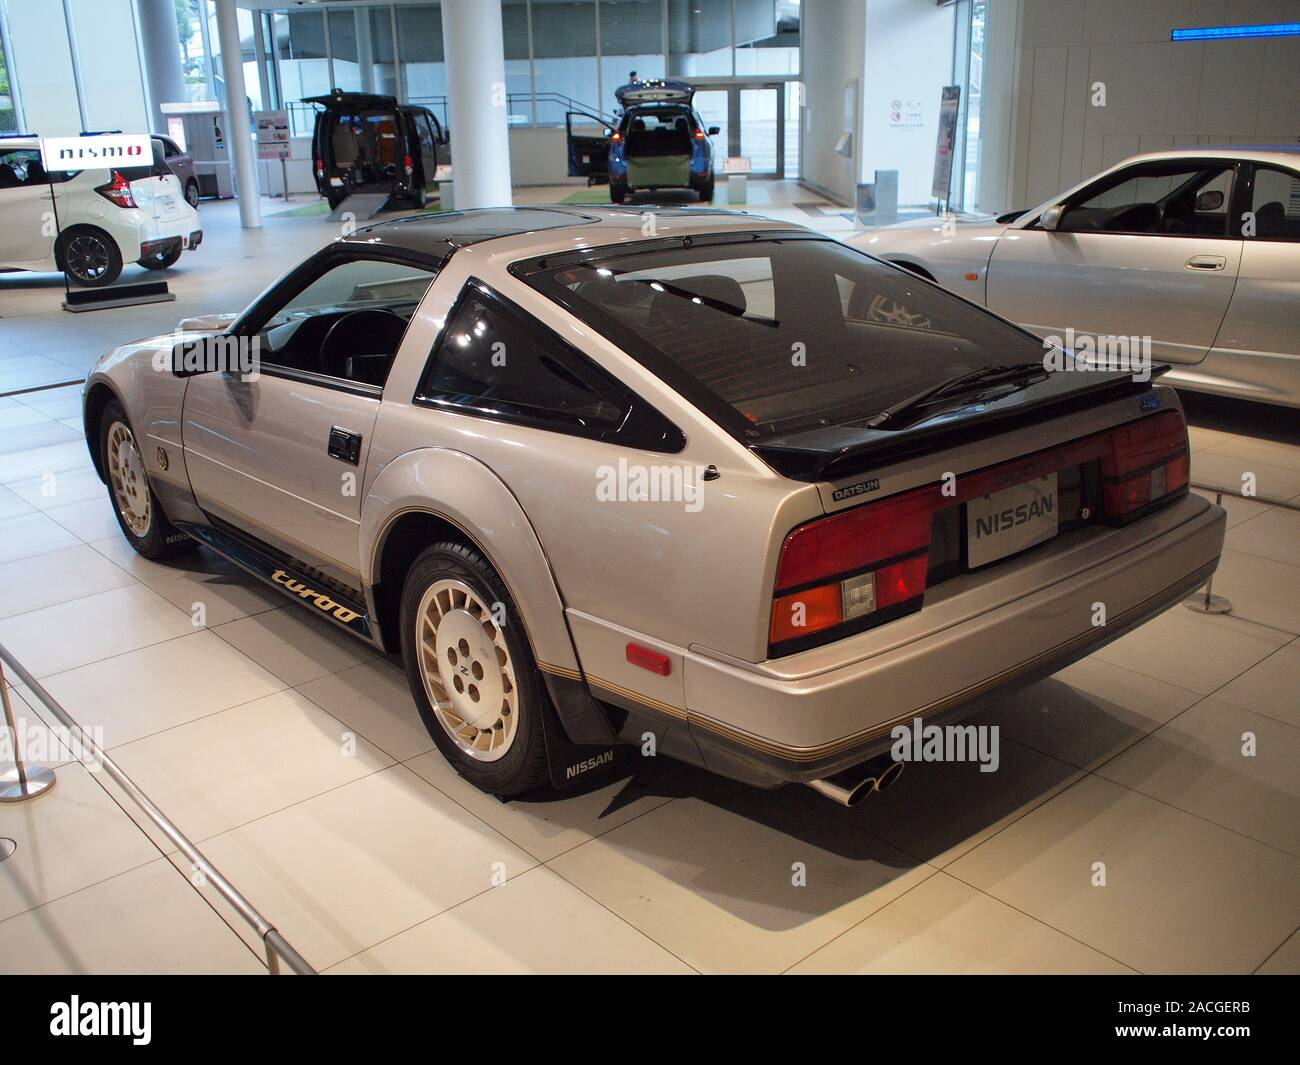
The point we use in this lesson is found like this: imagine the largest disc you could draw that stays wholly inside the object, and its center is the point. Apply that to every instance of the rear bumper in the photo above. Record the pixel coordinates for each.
(807, 716)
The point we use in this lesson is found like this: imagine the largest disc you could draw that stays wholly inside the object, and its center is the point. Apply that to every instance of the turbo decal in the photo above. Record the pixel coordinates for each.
(320, 599)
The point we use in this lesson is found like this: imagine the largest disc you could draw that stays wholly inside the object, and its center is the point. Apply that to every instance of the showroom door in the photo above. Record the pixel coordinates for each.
(1144, 252)
(752, 122)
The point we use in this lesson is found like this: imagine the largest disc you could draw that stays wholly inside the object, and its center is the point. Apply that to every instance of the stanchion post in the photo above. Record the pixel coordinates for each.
(1209, 603)
(20, 783)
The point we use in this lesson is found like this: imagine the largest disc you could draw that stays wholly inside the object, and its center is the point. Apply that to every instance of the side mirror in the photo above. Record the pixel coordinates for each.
(714, 130)
(1209, 201)
(1050, 219)
(189, 358)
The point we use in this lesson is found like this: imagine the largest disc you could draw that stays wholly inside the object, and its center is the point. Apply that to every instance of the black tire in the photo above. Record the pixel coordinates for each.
(160, 539)
(192, 193)
(335, 198)
(419, 198)
(162, 260)
(617, 193)
(89, 256)
(523, 765)
(706, 193)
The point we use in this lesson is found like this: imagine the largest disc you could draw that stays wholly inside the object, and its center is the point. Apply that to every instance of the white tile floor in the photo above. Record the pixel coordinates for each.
(297, 761)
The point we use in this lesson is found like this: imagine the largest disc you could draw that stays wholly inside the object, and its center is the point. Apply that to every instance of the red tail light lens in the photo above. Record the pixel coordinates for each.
(118, 190)
(850, 566)
(1147, 461)
(616, 136)
(699, 134)
(408, 164)
(320, 169)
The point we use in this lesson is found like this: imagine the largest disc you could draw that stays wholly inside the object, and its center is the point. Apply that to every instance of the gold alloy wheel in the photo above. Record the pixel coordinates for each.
(127, 479)
(466, 668)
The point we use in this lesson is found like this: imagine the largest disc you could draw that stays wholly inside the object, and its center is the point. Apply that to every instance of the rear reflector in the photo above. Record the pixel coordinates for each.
(648, 659)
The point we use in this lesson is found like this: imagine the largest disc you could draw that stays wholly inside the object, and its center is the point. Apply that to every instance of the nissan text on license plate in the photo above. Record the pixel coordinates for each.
(1009, 521)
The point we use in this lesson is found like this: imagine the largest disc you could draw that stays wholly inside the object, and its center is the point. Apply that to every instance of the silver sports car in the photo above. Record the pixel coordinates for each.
(1196, 249)
(669, 480)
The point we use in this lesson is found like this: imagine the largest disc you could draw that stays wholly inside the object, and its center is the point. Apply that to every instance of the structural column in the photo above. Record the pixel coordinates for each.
(162, 57)
(239, 130)
(476, 102)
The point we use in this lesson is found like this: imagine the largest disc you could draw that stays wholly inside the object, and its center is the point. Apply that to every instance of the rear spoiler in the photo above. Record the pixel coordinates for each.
(830, 452)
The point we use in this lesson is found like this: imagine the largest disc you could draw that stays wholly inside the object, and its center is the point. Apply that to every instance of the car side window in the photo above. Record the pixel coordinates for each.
(1274, 206)
(347, 322)
(20, 167)
(495, 359)
(426, 132)
(1170, 199)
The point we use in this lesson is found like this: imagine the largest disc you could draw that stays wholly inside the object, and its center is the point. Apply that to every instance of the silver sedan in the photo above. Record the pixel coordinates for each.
(1194, 252)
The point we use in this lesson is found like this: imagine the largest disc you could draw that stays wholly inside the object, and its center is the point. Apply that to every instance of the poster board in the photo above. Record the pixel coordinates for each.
(949, 102)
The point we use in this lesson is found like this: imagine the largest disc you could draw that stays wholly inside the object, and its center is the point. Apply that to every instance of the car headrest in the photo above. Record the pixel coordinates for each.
(1270, 220)
(680, 126)
(638, 125)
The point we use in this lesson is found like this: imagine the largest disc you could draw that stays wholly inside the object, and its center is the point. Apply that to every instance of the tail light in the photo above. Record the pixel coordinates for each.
(699, 134)
(320, 169)
(1147, 460)
(861, 567)
(408, 164)
(118, 190)
(616, 136)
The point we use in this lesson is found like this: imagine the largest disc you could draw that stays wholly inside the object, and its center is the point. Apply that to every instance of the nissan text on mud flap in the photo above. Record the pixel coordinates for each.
(899, 514)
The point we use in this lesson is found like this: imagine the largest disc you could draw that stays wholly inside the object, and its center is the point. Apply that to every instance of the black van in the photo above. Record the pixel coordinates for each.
(368, 143)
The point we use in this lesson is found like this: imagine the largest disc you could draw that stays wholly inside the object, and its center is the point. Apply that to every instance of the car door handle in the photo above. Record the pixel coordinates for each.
(344, 444)
(1206, 262)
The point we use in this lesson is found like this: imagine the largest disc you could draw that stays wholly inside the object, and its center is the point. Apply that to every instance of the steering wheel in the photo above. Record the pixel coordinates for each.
(372, 331)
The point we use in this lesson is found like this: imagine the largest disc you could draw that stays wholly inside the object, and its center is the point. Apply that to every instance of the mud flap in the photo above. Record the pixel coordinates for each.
(572, 763)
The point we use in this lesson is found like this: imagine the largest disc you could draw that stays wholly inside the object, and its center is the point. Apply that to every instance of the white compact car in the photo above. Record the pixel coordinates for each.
(105, 217)
(1196, 249)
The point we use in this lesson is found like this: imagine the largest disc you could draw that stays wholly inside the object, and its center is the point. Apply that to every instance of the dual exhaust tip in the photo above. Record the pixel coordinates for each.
(850, 786)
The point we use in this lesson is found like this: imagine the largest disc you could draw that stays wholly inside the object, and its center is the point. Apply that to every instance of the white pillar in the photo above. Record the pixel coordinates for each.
(238, 128)
(162, 57)
(476, 102)
(365, 48)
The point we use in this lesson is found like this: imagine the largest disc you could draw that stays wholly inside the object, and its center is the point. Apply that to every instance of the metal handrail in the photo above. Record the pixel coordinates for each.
(276, 946)
(1267, 501)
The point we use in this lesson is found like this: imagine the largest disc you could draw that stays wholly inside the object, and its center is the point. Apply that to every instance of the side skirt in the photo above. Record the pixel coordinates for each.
(288, 578)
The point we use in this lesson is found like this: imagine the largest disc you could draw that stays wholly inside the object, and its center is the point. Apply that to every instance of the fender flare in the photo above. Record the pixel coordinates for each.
(475, 501)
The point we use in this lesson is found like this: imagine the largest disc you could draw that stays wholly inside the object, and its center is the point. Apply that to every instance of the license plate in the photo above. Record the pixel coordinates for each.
(1011, 520)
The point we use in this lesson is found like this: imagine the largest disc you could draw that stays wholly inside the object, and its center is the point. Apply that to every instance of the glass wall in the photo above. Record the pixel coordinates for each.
(968, 68)
(559, 53)
(8, 109)
(564, 58)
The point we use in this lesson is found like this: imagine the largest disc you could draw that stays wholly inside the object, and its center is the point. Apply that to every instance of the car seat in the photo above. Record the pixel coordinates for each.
(1270, 220)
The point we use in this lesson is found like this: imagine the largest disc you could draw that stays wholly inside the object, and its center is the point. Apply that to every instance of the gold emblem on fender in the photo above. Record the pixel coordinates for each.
(163, 460)
(320, 599)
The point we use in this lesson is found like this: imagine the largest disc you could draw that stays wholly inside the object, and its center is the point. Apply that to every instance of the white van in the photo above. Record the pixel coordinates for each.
(102, 218)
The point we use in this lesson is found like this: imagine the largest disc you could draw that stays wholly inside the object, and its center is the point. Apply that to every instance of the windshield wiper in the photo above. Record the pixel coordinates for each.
(1020, 372)
(705, 301)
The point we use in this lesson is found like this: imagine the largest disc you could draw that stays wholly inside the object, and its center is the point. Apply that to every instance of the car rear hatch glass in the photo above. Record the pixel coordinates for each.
(795, 343)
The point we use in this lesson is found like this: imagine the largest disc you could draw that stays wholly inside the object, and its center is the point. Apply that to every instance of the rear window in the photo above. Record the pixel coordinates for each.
(788, 334)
